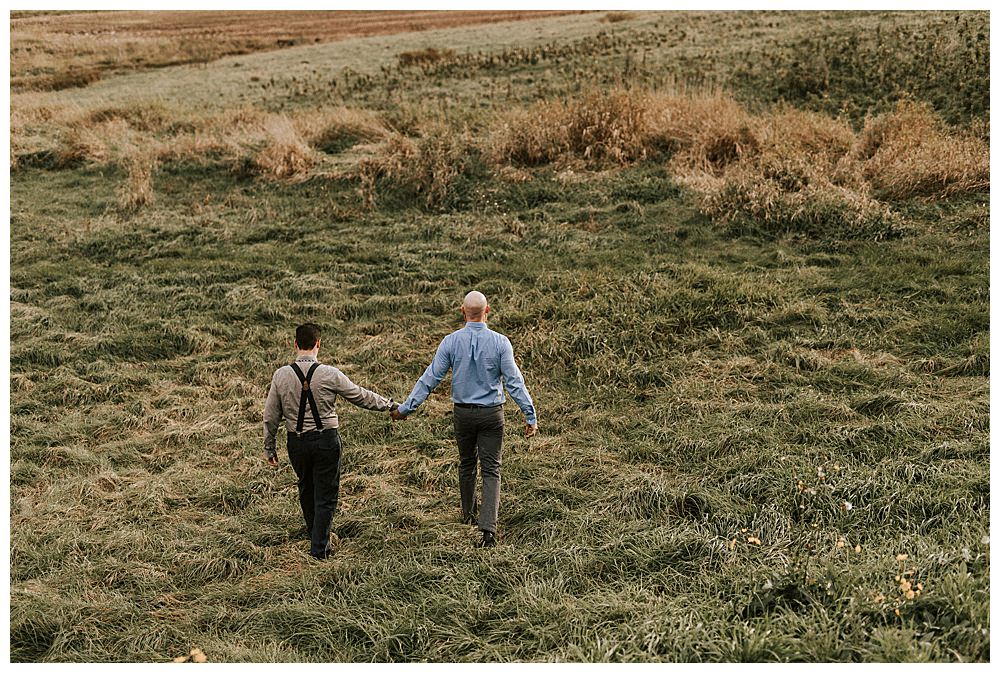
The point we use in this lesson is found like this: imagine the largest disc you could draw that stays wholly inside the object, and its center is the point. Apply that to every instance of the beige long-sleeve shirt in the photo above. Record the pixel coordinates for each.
(327, 382)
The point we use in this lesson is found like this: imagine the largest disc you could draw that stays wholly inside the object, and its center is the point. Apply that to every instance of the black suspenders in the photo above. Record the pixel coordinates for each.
(307, 396)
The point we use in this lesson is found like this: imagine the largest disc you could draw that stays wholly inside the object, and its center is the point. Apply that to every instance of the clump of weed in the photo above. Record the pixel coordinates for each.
(137, 189)
(784, 171)
(87, 143)
(910, 152)
(427, 56)
(142, 116)
(530, 137)
(285, 155)
(597, 126)
(791, 203)
(391, 162)
(427, 168)
(608, 126)
(617, 17)
(334, 130)
(70, 78)
(704, 133)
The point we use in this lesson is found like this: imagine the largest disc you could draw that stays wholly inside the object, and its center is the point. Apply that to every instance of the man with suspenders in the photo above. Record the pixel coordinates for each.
(313, 440)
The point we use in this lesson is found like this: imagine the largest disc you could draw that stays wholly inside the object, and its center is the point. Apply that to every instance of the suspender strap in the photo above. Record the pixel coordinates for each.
(306, 397)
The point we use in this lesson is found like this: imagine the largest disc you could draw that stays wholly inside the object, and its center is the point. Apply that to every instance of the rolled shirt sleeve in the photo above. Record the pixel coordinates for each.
(272, 418)
(430, 379)
(514, 382)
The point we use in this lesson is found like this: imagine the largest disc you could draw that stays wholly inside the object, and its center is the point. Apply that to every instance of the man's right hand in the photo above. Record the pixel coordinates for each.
(531, 430)
(396, 416)
(272, 461)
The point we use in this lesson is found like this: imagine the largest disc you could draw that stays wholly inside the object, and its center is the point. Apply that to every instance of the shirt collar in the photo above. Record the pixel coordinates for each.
(306, 358)
(476, 325)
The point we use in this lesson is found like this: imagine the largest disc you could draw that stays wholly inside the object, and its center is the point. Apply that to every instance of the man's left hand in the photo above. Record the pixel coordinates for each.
(272, 461)
(396, 416)
(531, 430)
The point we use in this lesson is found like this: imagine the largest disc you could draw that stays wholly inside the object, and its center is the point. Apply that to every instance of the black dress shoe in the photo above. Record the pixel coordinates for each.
(489, 539)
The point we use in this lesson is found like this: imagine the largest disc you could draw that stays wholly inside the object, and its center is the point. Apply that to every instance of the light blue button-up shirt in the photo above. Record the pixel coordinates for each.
(478, 358)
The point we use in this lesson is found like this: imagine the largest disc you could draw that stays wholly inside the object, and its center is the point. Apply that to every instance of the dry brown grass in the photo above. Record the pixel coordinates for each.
(705, 133)
(596, 127)
(392, 161)
(137, 189)
(617, 17)
(427, 166)
(427, 56)
(786, 170)
(285, 155)
(93, 142)
(333, 128)
(817, 206)
(911, 152)
(530, 136)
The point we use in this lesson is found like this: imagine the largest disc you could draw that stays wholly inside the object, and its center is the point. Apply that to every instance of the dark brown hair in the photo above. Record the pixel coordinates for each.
(306, 336)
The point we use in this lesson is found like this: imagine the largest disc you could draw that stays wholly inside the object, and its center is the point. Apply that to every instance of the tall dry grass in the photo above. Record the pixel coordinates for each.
(335, 127)
(427, 167)
(911, 152)
(787, 168)
(596, 127)
(701, 133)
(136, 191)
(285, 155)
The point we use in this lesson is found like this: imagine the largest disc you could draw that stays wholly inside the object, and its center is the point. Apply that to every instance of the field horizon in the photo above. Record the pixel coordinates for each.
(743, 261)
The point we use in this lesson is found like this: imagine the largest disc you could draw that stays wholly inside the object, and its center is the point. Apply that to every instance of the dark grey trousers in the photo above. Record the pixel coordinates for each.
(479, 432)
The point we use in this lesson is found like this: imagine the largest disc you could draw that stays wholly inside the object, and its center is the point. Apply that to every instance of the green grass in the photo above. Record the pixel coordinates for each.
(697, 386)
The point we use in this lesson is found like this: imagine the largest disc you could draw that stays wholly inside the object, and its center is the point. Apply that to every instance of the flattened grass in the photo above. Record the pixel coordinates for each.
(708, 403)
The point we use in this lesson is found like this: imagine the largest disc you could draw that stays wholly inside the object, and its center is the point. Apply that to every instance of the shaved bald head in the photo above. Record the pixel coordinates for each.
(474, 306)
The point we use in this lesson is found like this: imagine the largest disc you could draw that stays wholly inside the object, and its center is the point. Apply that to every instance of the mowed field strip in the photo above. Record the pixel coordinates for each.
(742, 259)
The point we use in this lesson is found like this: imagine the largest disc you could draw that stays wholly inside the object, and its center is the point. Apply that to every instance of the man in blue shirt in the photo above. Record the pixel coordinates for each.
(479, 358)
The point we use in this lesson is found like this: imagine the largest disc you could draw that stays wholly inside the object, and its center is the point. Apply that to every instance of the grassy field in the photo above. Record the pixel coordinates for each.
(62, 50)
(756, 333)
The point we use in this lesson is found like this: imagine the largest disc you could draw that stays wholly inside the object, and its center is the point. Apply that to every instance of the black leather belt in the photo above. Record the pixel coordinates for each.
(313, 433)
(477, 406)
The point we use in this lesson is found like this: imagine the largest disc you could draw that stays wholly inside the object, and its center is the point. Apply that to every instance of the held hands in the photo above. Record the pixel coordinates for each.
(273, 461)
(396, 416)
(531, 430)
